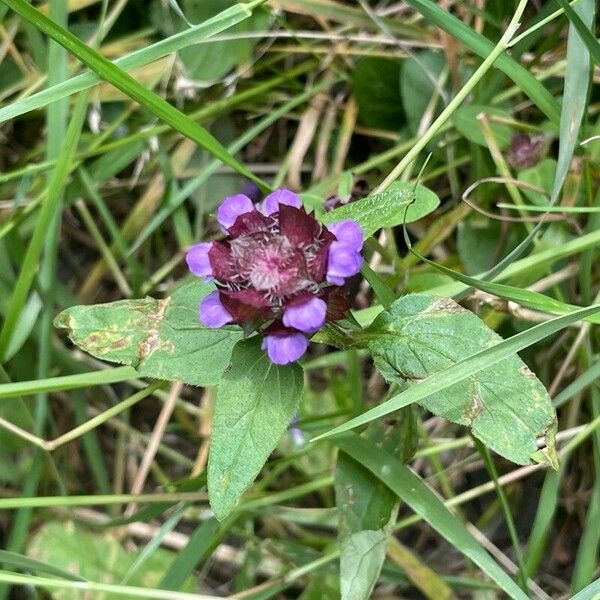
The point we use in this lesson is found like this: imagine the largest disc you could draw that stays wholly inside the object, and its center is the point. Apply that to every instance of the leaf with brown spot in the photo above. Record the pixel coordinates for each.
(505, 405)
(163, 339)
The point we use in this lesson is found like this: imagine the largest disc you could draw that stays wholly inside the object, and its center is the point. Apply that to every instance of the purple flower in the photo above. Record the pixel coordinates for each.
(212, 312)
(309, 316)
(281, 196)
(343, 261)
(231, 208)
(349, 232)
(284, 349)
(198, 261)
(277, 271)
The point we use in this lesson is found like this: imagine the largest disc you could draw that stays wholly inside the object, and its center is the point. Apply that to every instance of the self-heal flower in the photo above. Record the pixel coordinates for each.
(278, 271)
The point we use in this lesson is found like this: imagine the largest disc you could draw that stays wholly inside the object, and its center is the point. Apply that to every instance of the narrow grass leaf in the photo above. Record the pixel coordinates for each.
(19, 561)
(128, 85)
(224, 20)
(412, 490)
(582, 25)
(482, 46)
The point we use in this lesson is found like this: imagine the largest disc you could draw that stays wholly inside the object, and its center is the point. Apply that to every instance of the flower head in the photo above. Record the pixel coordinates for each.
(278, 271)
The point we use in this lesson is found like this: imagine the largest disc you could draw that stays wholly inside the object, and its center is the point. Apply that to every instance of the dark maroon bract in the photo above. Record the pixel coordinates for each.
(278, 271)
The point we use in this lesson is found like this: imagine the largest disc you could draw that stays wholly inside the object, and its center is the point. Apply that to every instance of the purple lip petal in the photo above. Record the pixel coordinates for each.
(198, 261)
(308, 316)
(231, 208)
(343, 261)
(271, 203)
(349, 232)
(284, 349)
(212, 313)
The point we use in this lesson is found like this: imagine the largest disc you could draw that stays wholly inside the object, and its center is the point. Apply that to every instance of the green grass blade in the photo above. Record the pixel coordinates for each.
(463, 369)
(591, 592)
(250, 134)
(128, 85)
(521, 296)
(583, 28)
(25, 563)
(200, 544)
(228, 18)
(411, 489)
(67, 382)
(482, 47)
(46, 215)
(575, 96)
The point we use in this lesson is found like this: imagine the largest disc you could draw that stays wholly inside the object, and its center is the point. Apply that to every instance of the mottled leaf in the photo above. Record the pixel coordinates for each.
(505, 405)
(163, 339)
(388, 208)
(255, 402)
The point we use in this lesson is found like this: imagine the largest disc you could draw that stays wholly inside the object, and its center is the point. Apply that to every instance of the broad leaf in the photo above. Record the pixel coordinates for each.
(419, 80)
(505, 405)
(412, 490)
(163, 339)
(361, 558)
(540, 176)
(375, 86)
(209, 61)
(255, 402)
(366, 507)
(96, 557)
(388, 208)
(465, 120)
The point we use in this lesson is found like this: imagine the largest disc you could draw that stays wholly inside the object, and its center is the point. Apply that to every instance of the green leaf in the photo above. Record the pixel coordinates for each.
(18, 561)
(95, 556)
(366, 507)
(418, 80)
(388, 208)
(482, 46)
(128, 85)
(583, 28)
(375, 88)
(255, 402)
(163, 339)
(506, 406)
(465, 121)
(541, 176)
(361, 558)
(465, 368)
(210, 61)
(412, 490)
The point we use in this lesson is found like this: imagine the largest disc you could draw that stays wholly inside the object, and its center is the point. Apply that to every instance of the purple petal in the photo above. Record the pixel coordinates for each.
(284, 349)
(198, 262)
(343, 261)
(231, 208)
(212, 313)
(349, 232)
(271, 203)
(308, 316)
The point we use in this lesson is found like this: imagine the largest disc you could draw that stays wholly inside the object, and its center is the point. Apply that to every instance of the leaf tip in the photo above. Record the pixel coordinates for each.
(548, 455)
